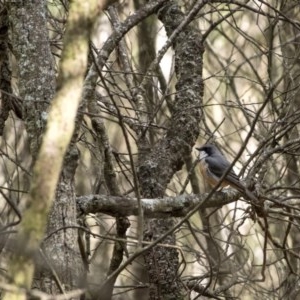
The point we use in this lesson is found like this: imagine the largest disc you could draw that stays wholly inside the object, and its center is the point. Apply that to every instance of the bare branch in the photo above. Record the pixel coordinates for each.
(153, 208)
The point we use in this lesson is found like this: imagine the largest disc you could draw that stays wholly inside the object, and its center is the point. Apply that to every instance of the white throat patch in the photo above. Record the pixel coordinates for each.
(202, 154)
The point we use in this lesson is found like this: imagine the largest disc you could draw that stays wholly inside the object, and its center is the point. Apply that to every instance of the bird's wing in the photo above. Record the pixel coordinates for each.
(218, 165)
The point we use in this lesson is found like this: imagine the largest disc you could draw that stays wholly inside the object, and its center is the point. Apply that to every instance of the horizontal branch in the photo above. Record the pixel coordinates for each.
(153, 208)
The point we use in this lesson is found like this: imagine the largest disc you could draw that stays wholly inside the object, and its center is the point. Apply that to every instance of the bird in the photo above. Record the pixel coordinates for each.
(213, 165)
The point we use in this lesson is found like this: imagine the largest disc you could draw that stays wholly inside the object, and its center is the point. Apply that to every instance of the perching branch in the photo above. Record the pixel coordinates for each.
(177, 206)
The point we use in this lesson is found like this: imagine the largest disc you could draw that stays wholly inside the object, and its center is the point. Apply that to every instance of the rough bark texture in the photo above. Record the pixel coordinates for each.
(157, 167)
(36, 84)
(153, 208)
(62, 247)
(146, 39)
(290, 48)
(5, 72)
(35, 65)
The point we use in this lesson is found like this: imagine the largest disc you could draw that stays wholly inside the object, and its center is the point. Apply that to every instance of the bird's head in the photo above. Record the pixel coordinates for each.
(207, 150)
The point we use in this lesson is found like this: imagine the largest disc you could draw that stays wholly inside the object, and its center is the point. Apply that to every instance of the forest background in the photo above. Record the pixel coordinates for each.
(102, 104)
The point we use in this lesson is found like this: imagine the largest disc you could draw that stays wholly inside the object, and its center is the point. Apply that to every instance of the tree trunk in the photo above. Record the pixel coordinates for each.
(62, 266)
(157, 167)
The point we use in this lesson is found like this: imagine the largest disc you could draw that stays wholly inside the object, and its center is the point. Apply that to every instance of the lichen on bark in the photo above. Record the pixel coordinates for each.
(36, 81)
(157, 166)
(37, 85)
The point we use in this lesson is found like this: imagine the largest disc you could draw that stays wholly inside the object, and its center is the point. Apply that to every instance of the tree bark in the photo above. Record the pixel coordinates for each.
(35, 65)
(5, 70)
(157, 167)
(290, 48)
(32, 51)
(62, 248)
(162, 207)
